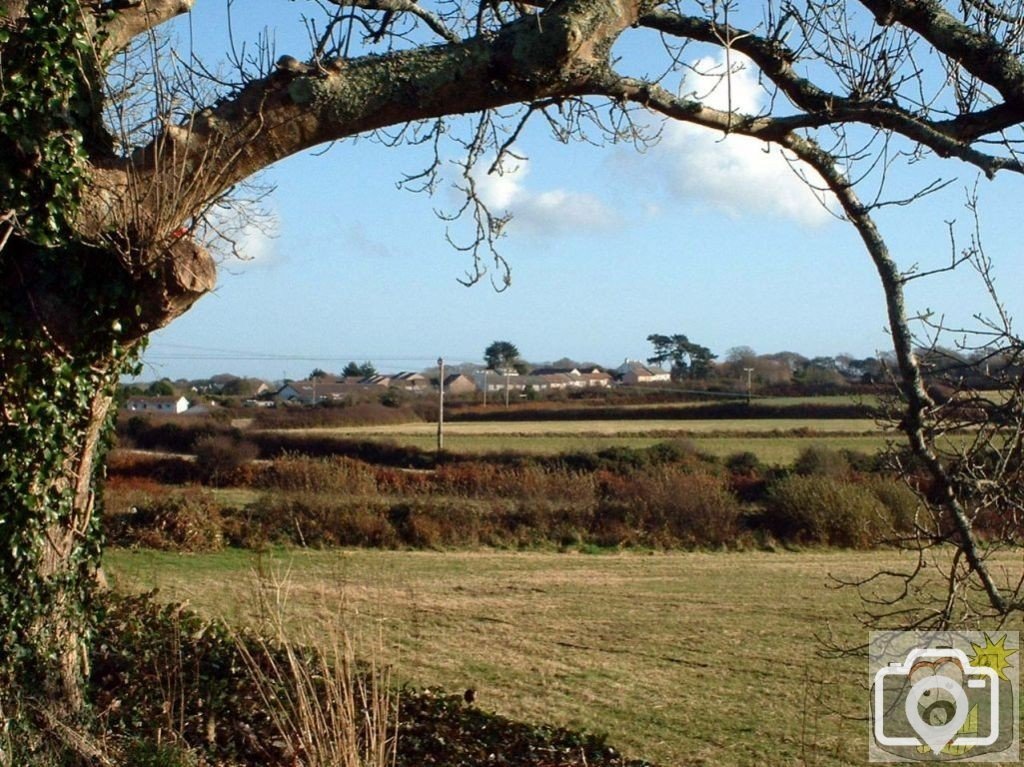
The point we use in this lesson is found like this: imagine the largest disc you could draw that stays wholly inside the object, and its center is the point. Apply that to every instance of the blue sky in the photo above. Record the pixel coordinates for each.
(715, 239)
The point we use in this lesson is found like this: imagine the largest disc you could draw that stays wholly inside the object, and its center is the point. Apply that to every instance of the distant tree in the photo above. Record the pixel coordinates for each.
(820, 370)
(688, 360)
(741, 354)
(792, 360)
(241, 387)
(161, 388)
(765, 369)
(502, 355)
(317, 373)
(355, 370)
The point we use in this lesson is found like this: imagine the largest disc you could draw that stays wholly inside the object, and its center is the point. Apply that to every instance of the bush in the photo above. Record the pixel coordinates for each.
(825, 510)
(173, 470)
(184, 521)
(312, 519)
(744, 463)
(219, 456)
(820, 461)
(175, 436)
(693, 509)
(334, 474)
(902, 502)
(667, 506)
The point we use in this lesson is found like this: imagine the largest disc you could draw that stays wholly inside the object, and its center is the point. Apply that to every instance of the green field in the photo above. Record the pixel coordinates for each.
(776, 441)
(684, 658)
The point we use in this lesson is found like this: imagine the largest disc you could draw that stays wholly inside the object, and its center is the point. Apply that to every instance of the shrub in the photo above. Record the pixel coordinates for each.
(745, 462)
(311, 519)
(692, 509)
(334, 474)
(426, 525)
(173, 470)
(821, 509)
(156, 433)
(820, 461)
(902, 502)
(672, 451)
(184, 521)
(218, 456)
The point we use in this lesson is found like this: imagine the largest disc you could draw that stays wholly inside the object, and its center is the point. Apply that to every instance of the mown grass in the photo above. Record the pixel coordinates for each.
(640, 427)
(696, 658)
(769, 448)
(774, 441)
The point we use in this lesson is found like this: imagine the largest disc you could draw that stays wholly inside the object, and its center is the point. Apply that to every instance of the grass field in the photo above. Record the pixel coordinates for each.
(686, 658)
(776, 441)
(640, 427)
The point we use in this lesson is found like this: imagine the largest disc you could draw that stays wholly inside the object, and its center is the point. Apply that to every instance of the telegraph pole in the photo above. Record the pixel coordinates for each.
(440, 404)
(750, 382)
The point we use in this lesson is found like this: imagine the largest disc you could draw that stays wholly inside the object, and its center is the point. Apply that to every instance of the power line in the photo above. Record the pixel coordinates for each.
(191, 352)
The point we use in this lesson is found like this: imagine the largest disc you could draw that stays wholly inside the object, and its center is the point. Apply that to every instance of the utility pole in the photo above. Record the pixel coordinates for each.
(506, 386)
(750, 382)
(485, 387)
(440, 404)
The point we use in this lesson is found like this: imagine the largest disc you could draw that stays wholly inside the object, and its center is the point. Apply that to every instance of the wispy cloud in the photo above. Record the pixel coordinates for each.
(256, 243)
(551, 212)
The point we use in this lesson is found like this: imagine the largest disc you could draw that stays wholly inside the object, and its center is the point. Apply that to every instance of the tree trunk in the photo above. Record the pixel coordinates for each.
(50, 441)
(71, 328)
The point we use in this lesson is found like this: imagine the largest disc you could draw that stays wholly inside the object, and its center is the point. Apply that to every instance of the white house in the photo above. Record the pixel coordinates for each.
(167, 405)
(634, 372)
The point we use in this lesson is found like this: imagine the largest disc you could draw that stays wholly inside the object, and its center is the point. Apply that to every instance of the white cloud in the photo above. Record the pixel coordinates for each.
(555, 211)
(735, 174)
(709, 82)
(256, 244)
(241, 234)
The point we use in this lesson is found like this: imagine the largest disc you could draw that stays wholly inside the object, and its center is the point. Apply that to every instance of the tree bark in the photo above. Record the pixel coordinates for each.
(70, 331)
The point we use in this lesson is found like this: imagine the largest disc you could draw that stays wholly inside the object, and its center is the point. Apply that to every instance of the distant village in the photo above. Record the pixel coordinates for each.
(741, 371)
(327, 388)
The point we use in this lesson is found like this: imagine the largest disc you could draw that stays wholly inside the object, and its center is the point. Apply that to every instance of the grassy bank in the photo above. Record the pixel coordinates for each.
(681, 658)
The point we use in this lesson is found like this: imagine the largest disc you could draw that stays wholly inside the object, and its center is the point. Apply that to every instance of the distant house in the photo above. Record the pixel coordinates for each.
(313, 392)
(632, 372)
(404, 380)
(570, 378)
(595, 378)
(494, 380)
(166, 405)
(413, 381)
(554, 371)
(459, 383)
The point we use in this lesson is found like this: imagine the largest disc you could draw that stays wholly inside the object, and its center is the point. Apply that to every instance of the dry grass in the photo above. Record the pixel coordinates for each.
(695, 658)
(331, 709)
(637, 428)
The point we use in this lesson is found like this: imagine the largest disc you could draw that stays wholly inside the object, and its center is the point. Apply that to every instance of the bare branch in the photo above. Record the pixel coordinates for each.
(121, 22)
